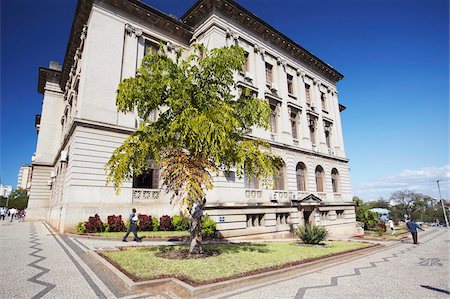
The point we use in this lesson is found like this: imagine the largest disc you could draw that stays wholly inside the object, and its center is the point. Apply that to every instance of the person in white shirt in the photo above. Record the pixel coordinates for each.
(12, 213)
(391, 226)
(2, 213)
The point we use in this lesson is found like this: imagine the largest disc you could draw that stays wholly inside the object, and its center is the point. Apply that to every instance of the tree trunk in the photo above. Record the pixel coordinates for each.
(196, 228)
(196, 235)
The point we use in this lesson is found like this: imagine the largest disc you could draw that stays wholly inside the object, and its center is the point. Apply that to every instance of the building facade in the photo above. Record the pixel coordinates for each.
(5, 190)
(79, 125)
(24, 177)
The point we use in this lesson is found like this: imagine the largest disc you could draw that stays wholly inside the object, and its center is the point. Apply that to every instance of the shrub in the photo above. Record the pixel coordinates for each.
(208, 226)
(311, 234)
(80, 227)
(179, 222)
(94, 224)
(380, 228)
(115, 223)
(127, 225)
(145, 222)
(155, 223)
(165, 223)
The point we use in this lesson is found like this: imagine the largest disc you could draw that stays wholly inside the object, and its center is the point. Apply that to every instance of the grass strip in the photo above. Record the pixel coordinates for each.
(233, 260)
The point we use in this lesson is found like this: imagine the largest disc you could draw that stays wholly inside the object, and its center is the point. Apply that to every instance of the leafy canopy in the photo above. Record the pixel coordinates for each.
(201, 126)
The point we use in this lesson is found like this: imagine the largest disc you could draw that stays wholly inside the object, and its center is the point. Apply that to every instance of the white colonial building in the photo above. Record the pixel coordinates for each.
(79, 126)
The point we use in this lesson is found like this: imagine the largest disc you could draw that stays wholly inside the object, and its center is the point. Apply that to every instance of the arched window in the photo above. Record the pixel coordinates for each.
(300, 172)
(319, 178)
(335, 180)
(278, 180)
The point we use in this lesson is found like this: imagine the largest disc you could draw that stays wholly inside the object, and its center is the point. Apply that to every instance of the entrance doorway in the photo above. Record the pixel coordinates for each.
(307, 216)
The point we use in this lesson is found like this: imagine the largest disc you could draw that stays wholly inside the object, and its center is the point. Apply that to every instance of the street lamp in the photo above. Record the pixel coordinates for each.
(442, 203)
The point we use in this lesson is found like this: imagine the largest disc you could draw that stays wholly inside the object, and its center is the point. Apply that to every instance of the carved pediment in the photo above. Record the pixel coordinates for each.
(311, 200)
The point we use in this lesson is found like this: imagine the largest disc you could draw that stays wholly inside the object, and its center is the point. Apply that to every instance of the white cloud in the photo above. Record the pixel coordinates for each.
(421, 180)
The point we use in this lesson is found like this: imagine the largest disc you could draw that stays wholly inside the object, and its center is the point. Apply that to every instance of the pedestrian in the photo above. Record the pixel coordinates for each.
(391, 226)
(2, 213)
(133, 220)
(412, 227)
(12, 213)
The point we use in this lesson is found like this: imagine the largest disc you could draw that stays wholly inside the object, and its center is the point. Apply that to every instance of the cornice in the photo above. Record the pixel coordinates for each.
(236, 12)
(133, 7)
(46, 74)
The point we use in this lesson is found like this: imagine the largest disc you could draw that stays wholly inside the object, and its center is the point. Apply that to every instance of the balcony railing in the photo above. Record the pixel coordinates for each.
(148, 195)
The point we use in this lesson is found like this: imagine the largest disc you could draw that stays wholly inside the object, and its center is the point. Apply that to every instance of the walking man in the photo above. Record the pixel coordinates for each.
(412, 227)
(2, 213)
(12, 213)
(133, 220)
(391, 226)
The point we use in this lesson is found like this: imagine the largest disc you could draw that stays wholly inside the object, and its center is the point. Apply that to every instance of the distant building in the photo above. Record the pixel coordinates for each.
(79, 126)
(5, 190)
(24, 177)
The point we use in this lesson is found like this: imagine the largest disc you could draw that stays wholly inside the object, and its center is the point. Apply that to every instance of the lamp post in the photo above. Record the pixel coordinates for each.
(442, 203)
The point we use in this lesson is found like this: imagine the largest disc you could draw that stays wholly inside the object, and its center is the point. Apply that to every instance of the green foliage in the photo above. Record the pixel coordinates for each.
(202, 127)
(311, 234)
(208, 226)
(180, 223)
(81, 229)
(380, 228)
(127, 225)
(364, 215)
(155, 223)
(18, 199)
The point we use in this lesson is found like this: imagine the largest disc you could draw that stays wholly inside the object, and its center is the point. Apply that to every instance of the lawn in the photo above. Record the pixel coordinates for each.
(233, 259)
(372, 235)
(146, 234)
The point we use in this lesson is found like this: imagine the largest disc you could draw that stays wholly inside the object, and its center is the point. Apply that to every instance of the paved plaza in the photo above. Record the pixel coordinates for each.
(38, 263)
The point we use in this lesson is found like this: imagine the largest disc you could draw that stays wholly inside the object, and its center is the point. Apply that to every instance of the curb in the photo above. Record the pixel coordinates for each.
(232, 284)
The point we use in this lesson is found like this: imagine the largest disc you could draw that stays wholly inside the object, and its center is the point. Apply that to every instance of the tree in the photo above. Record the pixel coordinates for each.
(363, 213)
(201, 128)
(18, 199)
(379, 203)
(408, 203)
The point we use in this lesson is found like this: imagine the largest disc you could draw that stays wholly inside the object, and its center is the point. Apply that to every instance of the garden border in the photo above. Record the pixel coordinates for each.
(233, 283)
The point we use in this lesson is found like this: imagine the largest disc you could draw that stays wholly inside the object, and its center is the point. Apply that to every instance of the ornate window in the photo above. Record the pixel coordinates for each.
(323, 99)
(149, 179)
(273, 119)
(268, 73)
(290, 84)
(300, 172)
(278, 180)
(294, 125)
(246, 66)
(327, 129)
(251, 182)
(150, 47)
(308, 93)
(335, 180)
(319, 179)
(312, 129)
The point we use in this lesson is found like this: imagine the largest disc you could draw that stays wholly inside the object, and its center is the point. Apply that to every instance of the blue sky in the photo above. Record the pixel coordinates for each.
(393, 54)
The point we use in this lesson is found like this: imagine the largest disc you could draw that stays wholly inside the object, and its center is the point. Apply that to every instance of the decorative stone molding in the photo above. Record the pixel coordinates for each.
(130, 30)
(84, 33)
(171, 47)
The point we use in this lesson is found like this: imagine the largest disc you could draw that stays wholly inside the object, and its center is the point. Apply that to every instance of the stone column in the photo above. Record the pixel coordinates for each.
(320, 134)
(129, 67)
(285, 135)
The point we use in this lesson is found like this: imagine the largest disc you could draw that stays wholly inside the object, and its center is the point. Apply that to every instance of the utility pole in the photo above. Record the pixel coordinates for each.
(442, 203)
